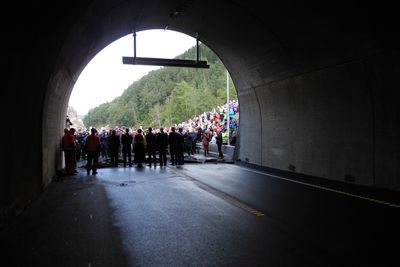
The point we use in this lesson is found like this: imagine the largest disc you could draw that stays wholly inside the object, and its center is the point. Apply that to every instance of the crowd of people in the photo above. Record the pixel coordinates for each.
(187, 137)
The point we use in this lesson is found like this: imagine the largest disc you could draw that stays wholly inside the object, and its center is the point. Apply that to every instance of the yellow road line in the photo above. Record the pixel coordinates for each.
(234, 201)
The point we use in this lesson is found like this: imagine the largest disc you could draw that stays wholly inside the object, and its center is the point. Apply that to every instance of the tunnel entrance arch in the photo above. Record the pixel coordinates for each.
(315, 88)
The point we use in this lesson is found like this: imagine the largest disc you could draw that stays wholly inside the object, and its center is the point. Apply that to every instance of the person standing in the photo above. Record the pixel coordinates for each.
(219, 139)
(113, 145)
(68, 146)
(206, 141)
(138, 142)
(233, 138)
(79, 146)
(151, 147)
(64, 146)
(194, 140)
(199, 136)
(126, 140)
(104, 144)
(180, 147)
(92, 148)
(188, 143)
(162, 146)
(172, 140)
(72, 132)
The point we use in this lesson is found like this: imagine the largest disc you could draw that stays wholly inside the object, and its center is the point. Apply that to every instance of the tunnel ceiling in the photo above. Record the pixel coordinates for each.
(259, 42)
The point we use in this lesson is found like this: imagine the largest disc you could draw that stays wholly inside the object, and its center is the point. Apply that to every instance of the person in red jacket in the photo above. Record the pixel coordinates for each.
(69, 146)
(92, 148)
(206, 141)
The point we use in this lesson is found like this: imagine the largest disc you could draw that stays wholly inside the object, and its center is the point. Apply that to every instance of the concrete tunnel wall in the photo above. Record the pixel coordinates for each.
(337, 123)
(312, 101)
(325, 133)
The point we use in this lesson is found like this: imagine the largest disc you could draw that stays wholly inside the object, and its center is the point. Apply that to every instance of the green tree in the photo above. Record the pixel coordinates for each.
(167, 95)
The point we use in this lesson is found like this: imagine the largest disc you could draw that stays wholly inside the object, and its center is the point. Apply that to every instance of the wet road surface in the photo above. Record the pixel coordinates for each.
(198, 215)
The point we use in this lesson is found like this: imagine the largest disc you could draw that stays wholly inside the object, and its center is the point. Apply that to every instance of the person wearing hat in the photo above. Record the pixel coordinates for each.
(92, 148)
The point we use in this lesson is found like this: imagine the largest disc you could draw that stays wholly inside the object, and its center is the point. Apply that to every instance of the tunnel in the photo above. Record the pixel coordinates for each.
(317, 83)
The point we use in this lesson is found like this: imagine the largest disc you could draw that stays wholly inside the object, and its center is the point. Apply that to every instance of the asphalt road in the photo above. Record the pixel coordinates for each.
(209, 214)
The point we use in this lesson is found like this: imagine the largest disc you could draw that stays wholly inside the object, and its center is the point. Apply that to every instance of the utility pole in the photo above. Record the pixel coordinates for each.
(227, 103)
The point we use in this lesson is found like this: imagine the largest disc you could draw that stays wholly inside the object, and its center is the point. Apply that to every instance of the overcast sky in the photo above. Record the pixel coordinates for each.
(105, 77)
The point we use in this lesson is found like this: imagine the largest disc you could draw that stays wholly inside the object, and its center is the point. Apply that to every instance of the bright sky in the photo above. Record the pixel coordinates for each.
(105, 77)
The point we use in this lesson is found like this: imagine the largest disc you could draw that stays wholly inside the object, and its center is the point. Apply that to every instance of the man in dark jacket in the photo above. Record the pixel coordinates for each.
(180, 147)
(172, 140)
(113, 145)
(151, 147)
(126, 141)
(218, 140)
(162, 146)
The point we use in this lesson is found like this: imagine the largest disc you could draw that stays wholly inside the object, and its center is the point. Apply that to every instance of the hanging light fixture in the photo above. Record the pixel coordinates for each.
(164, 61)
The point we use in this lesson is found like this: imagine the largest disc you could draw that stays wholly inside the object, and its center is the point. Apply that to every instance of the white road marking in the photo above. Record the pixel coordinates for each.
(323, 188)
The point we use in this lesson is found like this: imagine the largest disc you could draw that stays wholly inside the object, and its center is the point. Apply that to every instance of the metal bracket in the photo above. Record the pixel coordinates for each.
(164, 61)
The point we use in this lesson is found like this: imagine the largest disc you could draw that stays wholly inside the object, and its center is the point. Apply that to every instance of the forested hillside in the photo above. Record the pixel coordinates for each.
(167, 96)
